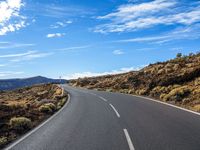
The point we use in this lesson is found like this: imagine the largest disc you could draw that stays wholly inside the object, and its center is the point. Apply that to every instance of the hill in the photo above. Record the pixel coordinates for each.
(176, 81)
(25, 108)
(10, 84)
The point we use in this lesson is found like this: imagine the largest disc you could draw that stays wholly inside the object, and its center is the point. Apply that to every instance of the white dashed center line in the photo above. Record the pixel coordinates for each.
(130, 144)
(118, 115)
(103, 98)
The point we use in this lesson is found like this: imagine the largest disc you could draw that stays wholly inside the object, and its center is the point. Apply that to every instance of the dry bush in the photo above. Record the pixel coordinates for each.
(132, 91)
(197, 108)
(47, 108)
(141, 92)
(197, 81)
(3, 140)
(196, 91)
(20, 123)
(177, 94)
(61, 103)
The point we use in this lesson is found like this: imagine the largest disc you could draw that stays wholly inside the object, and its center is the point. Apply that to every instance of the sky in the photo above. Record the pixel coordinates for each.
(76, 38)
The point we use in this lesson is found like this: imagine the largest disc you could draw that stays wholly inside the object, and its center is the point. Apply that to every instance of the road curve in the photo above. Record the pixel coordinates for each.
(94, 120)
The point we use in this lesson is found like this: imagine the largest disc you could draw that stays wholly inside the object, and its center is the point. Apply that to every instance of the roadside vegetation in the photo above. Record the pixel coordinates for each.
(23, 109)
(176, 81)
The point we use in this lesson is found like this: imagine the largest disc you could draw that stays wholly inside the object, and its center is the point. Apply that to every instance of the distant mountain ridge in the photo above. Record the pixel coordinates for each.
(11, 84)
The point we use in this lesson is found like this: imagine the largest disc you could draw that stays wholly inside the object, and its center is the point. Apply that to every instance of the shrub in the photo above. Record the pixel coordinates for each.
(61, 103)
(109, 90)
(3, 140)
(178, 55)
(196, 91)
(162, 96)
(131, 92)
(177, 94)
(20, 123)
(197, 108)
(141, 92)
(197, 81)
(47, 108)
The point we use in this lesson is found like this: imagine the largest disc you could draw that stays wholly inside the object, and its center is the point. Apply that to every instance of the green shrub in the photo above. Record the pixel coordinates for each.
(178, 55)
(20, 123)
(47, 108)
(3, 140)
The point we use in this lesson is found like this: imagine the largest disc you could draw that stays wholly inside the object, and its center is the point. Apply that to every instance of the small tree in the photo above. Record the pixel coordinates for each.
(178, 55)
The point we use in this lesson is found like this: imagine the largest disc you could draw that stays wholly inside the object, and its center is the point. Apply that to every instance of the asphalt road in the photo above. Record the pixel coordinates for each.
(94, 120)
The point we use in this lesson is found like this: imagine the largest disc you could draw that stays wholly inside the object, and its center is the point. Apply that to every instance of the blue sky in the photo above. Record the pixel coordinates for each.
(76, 38)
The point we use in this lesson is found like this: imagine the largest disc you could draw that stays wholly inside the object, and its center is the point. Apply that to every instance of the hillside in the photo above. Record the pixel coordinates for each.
(176, 81)
(10, 84)
(25, 108)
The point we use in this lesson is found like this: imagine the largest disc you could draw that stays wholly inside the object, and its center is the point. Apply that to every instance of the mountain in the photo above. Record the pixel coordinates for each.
(175, 81)
(10, 84)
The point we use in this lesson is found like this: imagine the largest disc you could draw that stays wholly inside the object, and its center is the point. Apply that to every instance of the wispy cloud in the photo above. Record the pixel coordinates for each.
(60, 11)
(10, 17)
(118, 52)
(60, 24)
(10, 73)
(10, 45)
(18, 57)
(189, 33)
(74, 48)
(54, 35)
(132, 17)
(92, 74)
(3, 65)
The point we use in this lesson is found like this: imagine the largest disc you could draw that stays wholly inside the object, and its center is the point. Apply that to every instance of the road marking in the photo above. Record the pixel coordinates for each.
(157, 101)
(38, 127)
(103, 99)
(118, 115)
(130, 144)
(93, 94)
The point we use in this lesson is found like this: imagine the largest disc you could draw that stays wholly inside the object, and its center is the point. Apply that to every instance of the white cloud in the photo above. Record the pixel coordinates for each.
(75, 48)
(3, 65)
(60, 24)
(189, 33)
(54, 35)
(6, 45)
(118, 52)
(132, 17)
(18, 57)
(9, 73)
(92, 74)
(10, 17)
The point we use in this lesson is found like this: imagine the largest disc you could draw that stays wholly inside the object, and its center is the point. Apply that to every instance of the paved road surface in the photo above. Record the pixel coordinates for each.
(94, 120)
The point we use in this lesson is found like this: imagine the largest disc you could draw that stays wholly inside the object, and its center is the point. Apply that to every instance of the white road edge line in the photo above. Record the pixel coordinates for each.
(130, 144)
(38, 127)
(118, 115)
(103, 99)
(157, 101)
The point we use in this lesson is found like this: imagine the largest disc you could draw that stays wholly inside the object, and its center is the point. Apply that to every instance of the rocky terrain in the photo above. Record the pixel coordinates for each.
(176, 81)
(23, 109)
